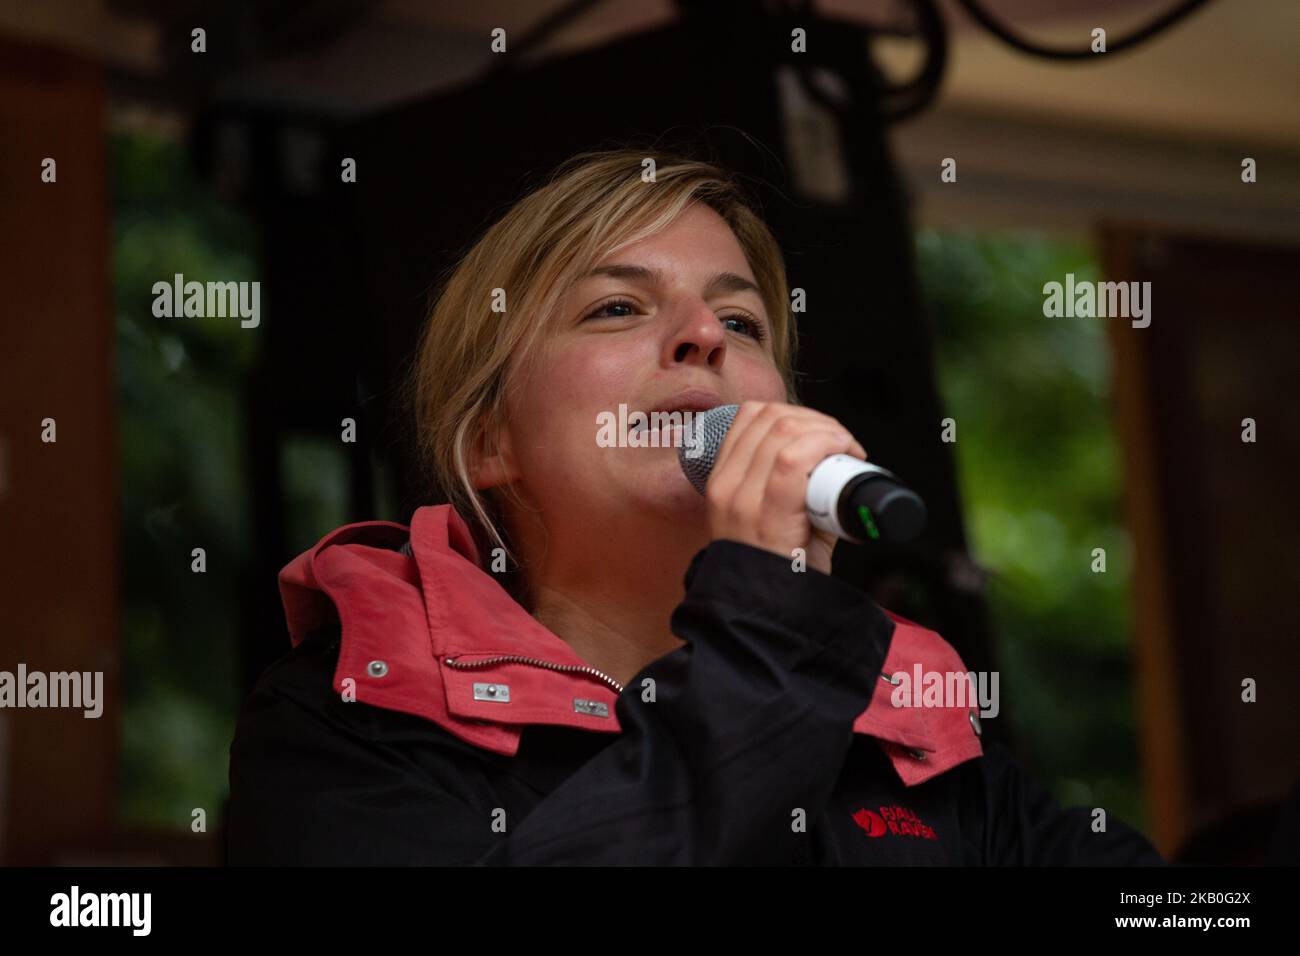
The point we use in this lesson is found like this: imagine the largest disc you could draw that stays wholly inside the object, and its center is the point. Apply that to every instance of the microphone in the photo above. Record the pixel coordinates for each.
(850, 498)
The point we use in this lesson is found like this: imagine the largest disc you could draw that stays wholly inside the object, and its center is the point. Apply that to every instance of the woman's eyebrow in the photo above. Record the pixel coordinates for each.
(720, 282)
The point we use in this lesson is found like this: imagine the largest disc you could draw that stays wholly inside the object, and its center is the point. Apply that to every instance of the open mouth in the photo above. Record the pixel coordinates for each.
(668, 421)
(666, 429)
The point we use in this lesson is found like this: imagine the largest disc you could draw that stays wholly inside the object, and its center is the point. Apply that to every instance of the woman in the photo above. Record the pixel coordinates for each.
(521, 677)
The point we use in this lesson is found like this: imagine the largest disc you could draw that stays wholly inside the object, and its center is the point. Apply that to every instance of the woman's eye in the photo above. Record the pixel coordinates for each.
(616, 304)
(750, 326)
(753, 327)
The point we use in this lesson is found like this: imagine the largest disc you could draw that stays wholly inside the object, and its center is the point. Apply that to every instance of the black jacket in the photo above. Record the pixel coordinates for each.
(747, 753)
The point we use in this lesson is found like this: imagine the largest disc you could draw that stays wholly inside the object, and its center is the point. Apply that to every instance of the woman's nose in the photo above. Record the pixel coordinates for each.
(698, 338)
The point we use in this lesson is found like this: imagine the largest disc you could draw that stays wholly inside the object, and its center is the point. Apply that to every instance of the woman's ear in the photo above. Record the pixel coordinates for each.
(491, 464)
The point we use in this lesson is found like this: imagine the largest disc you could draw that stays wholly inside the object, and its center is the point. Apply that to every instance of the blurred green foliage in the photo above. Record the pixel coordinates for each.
(1039, 470)
(181, 484)
(316, 471)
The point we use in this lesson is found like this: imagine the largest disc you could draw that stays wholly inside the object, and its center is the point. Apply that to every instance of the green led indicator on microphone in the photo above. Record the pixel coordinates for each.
(868, 522)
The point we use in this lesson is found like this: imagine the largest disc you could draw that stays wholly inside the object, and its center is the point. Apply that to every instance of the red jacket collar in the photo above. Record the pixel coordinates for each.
(407, 621)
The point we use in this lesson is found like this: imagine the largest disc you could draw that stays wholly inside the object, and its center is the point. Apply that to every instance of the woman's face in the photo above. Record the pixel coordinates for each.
(650, 323)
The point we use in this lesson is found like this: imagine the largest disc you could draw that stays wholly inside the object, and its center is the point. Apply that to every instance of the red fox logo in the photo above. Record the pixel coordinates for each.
(899, 821)
(871, 822)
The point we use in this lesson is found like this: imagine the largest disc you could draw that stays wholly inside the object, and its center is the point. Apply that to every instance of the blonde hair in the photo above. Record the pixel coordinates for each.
(593, 205)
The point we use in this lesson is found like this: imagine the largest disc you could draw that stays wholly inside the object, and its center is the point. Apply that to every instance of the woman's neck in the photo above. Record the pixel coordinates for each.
(611, 606)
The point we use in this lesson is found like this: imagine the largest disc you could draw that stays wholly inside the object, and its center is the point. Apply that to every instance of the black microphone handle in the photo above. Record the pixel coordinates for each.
(875, 507)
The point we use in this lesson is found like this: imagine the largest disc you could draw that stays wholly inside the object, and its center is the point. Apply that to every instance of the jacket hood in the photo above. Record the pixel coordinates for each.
(426, 631)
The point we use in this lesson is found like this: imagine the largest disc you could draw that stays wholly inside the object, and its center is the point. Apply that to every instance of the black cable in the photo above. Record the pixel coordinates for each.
(999, 30)
(897, 101)
(915, 95)
(540, 33)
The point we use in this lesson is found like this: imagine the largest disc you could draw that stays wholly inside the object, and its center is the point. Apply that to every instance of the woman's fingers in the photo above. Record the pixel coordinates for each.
(758, 487)
(750, 427)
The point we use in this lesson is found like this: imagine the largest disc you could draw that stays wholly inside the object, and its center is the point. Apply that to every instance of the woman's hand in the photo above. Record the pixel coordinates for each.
(756, 491)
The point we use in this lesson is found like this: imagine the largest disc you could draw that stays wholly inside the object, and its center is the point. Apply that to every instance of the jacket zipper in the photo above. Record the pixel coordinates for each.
(550, 665)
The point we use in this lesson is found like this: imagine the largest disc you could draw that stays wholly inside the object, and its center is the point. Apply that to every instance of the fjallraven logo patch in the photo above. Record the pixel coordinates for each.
(896, 820)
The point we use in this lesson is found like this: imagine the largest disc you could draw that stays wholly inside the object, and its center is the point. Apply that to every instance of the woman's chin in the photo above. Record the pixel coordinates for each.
(662, 489)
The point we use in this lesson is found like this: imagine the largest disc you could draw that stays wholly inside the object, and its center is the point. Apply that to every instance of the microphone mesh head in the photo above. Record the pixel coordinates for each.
(698, 455)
